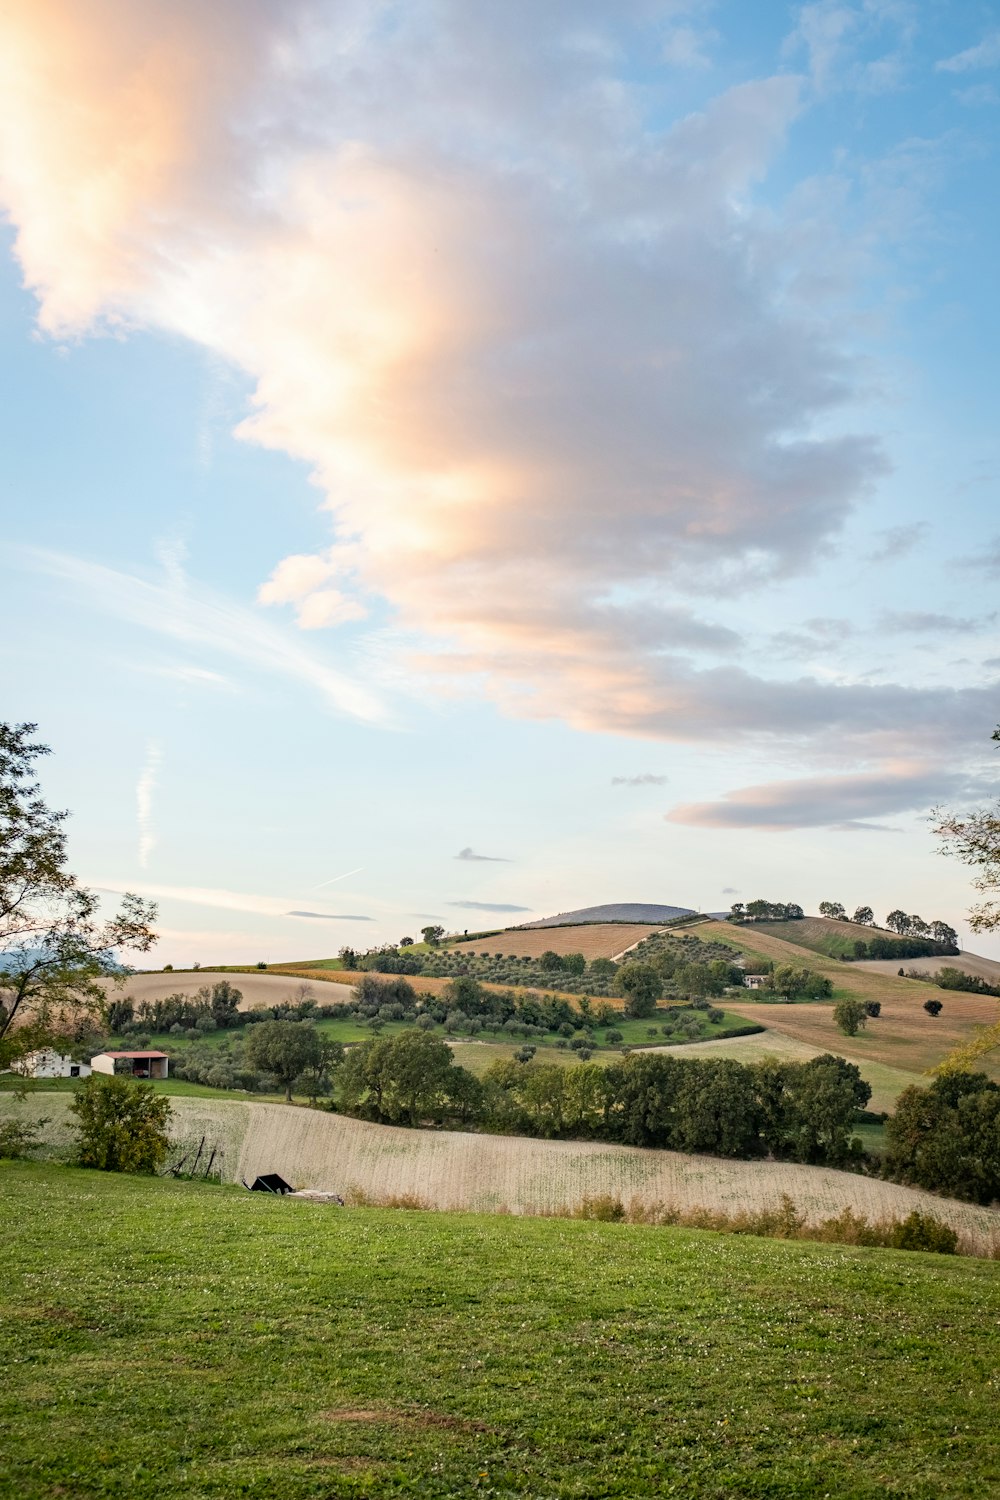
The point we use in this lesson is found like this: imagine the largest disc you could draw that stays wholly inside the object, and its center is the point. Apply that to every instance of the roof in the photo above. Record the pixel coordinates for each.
(131, 1054)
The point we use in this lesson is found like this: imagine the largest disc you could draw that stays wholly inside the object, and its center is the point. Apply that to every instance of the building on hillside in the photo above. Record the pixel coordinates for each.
(138, 1064)
(755, 981)
(48, 1063)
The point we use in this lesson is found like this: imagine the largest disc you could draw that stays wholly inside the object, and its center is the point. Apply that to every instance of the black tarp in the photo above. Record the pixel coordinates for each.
(269, 1182)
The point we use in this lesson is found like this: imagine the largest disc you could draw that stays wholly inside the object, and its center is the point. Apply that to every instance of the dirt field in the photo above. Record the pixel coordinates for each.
(600, 940)
(450, 1169)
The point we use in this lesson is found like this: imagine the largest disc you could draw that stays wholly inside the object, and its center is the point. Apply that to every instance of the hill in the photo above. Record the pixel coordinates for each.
(187, 1340)
(593, 940)
(615, 911)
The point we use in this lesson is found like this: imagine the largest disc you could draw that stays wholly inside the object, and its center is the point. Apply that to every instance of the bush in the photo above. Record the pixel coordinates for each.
(123, 1125)
(20, 1137)
(923, 1232)
(933, 1007)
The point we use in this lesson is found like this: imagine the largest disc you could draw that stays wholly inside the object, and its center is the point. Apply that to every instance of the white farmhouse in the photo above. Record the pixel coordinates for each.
(48, 1063)
(755, 981)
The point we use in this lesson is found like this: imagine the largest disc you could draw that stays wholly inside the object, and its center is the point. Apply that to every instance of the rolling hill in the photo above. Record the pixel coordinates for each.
(615, 911)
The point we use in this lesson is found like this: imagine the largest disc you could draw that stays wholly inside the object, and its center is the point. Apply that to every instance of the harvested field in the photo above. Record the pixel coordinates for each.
(453, 1170)
(257, 989)
(598, 940)
(969, 963)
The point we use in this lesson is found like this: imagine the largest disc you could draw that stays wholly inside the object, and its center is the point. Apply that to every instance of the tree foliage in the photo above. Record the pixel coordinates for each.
(285, 1049)
(974, 838)
(850, 1015)
(642, 987)
(57, 949)
(410, 1079)
(122, 1124)
(946, 1138)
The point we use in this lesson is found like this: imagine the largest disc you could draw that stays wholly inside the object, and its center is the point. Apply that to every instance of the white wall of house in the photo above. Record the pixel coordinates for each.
(102, 1063)
(47, 1063)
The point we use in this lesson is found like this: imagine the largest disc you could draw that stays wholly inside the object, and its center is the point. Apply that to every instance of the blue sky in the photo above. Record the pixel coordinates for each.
(566, 439)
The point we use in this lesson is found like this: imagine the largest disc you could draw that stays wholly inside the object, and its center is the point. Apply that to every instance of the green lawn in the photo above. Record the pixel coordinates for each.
(168, 1339)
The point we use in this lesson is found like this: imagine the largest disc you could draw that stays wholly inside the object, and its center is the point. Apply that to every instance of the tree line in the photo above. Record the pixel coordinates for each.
(765, 911)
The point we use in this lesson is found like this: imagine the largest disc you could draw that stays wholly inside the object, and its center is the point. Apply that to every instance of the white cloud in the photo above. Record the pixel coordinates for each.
(846, 803)
(213, 625)
(144, 789)
(985, 54)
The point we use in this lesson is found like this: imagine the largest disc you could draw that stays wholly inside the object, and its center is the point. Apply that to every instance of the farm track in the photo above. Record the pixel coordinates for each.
(454, 1170)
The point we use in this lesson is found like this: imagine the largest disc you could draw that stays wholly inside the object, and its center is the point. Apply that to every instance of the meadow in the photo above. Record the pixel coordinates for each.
(169, 1339)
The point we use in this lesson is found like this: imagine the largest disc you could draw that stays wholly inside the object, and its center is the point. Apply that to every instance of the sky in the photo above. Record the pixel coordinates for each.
(462, 463)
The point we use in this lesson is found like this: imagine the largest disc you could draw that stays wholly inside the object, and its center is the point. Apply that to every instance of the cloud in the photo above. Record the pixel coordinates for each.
(978, 96)
(217, 898)
(840, 802)
(213, 625)
(985, 561)
(329, 916)
(923, 622)
(985, 54)
(487, 906)
(543, 369)
(491, 859)
(645, 778)
(896, 542)
(729, 890)
(689, 46)
(144, 789)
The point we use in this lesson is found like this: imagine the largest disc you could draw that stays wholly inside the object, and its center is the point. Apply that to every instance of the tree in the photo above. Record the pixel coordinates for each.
(942, 933)
(603, 968)
(123, 1125)
(864, 916)
(223, 1000)
(833, 909)
(897, 921)
(642, 986)
(432, 935)
(407, 1079)
(974, 838)
(56, 948)
(574, 963)
(947, 1137)
(933, 1007)
(406, 942)
(550, 962)
(851, 1016)
(285, 1049)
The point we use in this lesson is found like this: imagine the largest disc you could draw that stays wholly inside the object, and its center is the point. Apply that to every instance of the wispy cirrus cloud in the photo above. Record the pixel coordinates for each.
(644, 778)
(497, 906)
(471, 857)
(984, 54)
(212, 625)
(144, 789)
(219, 899)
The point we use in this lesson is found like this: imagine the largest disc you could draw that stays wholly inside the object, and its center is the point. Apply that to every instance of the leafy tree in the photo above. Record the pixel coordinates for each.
(18, 1138)
(864, 916)
(873, 1008)
(407, 1079)
(933, 1007)
(942, 933)
(466, 994)
(406, 942)
(349, 959)
(917, 927)
(574, 963)
(974, 838)
(850, 1015)
(56, 948)
(823, 1097)
(897, 921)
(795, 983)
(642, 986)
(550, 962)
(224, 1002)
(432, 935)
(946, 1138)
(284, 1049)
(833, 909)
(603, 968)
(123, 1125)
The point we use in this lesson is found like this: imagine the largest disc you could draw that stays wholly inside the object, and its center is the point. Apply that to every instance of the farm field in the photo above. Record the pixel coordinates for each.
(824, 935)
(595, 940)
(457, 1170)
(389, 1353)
(258, 989)
(969, 963)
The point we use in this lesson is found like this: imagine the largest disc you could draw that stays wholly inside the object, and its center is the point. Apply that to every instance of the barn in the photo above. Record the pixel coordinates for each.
(138, 1064)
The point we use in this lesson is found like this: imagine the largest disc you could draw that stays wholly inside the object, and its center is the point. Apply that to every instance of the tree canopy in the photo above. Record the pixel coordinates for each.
(56, 947)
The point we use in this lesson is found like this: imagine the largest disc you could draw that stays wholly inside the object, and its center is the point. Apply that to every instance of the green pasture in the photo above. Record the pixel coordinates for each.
(164, 1339)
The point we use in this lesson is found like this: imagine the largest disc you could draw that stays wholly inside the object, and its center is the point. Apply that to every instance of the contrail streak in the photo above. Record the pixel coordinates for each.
(336, 878)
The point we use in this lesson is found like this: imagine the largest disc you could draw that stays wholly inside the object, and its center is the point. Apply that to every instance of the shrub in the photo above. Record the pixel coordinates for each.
(19, 1137)
(933, 1007)
(123, 1125)
(923, 1232)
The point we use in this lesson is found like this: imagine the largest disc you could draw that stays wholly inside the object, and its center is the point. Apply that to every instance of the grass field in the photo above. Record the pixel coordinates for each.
(164, 1339)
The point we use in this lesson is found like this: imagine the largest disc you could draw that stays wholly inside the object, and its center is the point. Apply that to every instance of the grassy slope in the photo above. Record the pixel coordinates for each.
(452, 1170)
(166, 1339)
(903, 1037)
(823, 934)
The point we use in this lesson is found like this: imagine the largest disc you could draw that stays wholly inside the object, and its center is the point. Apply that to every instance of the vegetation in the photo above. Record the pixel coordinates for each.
(850, 1015)
(974, 838)
(765, 911)
(55, 946)
(443, 1355)
(957, 979)
(122, 1125)
(946, 1138)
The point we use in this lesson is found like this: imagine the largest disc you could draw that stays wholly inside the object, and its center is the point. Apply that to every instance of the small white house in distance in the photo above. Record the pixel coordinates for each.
(139, 1064)
(48, 1063)
(755, 981)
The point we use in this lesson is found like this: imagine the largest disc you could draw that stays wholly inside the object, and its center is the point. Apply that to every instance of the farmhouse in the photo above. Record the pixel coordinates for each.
(755, 981)
(47, 1063)
(139, 1064)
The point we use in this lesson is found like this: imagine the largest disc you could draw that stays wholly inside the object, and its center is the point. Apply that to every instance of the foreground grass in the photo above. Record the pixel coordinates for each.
(167, 1339)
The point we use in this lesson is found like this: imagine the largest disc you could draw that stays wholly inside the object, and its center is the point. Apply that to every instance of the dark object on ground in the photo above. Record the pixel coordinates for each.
(269, 1182)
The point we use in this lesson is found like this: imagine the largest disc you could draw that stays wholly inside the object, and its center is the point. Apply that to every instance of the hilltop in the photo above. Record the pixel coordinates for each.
(615, 911)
